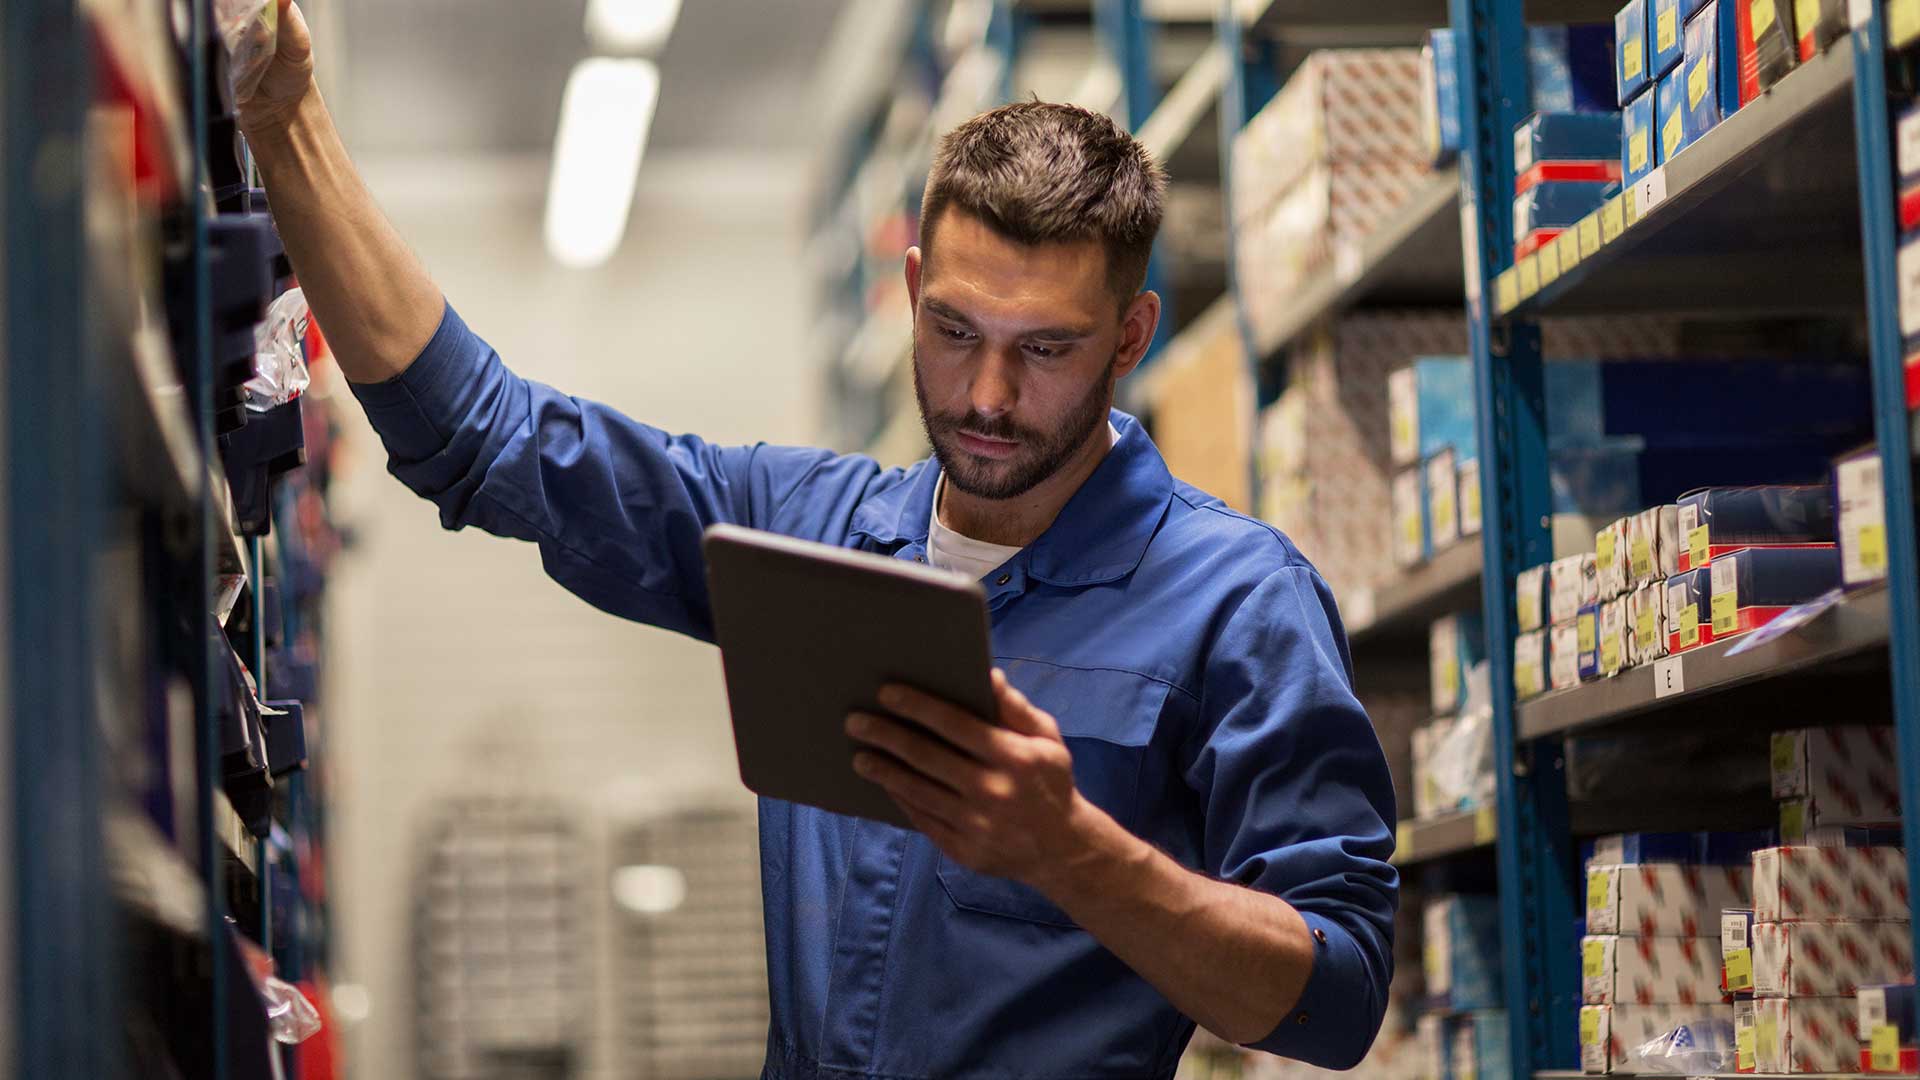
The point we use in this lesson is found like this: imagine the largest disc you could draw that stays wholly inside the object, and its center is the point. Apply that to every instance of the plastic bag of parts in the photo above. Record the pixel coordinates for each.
(291, 1018)
(280, 360)
(250, 30)
(1462, 763)
(1702, 1046)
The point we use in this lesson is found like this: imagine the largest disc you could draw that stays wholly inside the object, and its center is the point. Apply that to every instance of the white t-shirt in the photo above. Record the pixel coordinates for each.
(962, 554)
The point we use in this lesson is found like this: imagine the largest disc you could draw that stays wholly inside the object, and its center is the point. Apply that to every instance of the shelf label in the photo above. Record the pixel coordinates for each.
(1506, 290)
(1589, 1027)
(1689, 625)
(1873, 548)
(1569, 244)
(1649, 191)
(1669, 677)
(1529, 277)
(1793, 821)
(1590, 235)
(1485, 826)
(1612, 220)
(1548, 259)
(1760, 14)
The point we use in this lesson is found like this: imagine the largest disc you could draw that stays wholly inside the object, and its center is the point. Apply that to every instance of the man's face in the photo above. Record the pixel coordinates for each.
(1016, 350)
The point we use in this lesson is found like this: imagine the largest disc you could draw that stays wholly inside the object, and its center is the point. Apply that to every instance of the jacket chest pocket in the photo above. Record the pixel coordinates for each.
(1108, 719)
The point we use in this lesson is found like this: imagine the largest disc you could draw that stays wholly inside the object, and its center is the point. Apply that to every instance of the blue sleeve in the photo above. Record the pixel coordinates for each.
(1299, 804)
(617, 508)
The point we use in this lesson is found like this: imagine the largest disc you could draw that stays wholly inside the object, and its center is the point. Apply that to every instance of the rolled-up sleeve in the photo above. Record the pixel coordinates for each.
(616, 507)
(1299, 804)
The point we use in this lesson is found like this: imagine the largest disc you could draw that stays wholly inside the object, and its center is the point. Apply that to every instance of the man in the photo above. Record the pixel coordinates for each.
(1180, 813)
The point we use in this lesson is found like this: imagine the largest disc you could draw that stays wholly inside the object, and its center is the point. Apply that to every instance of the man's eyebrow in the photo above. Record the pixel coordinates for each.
(1050, 333)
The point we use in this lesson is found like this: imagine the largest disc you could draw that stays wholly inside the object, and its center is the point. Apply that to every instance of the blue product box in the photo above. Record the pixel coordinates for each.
(1631, 74)
(1636, 138)
(1888, 1003)
(1430, 408)
(1558, 205)
(1462, 953)
(1701, 68)
(1720, 521)
(1561, 146)
(1753, 587)
(1756, 401)
(1440, 96)
(1570, 68)
(1587, 624)
(1669, 114)
(1664, 40)
(1690, 8)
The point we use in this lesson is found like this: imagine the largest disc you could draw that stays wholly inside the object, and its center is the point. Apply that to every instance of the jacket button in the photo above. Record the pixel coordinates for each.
(1303, 1018)
(919, 558)
(1004, 578)
(1320, 936)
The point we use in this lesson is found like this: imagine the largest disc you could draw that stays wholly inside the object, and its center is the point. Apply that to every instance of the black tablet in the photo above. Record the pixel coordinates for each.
(808, 633)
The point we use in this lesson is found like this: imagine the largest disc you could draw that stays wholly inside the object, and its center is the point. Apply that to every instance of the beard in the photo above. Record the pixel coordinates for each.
(1041, 453)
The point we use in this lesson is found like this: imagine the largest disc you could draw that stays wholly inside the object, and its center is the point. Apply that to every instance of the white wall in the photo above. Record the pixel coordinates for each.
(456, 666)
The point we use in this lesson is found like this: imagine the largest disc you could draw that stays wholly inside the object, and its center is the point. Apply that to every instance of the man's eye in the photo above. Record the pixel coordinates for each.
(953, 334)
(1042, 352)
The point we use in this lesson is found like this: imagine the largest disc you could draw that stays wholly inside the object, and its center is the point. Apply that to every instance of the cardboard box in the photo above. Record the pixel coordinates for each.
(1649, 970)
(1652, 545)
(1736, 950)
(1455, 643)
(1610, 559)
(1702, 68)
(1530, 664)
(1792, 884)
(1462, 953)
(1752, 588)
(1563, 655)
(1658, 898)
(1436, 1046)
(1545, 210)
(1861, 522)
(1566, 146)
(1430, 408)
(1805, 823)
(1631, 55)
(1851, 773)
(1471, 519)
(1768, 42)
(1613, 636)
(1587, 635)
(1609, 1034)
(1647, 624)
(1442, 487)
(1887, 1005)
(1428, 800)
(1829, 959)
(1530, 596)
(1572, 583)
(1636, 138)
(1411, 543)
(1571, 68)
(1828, 24)
(1439, 96)
(1717, 521)
(1806, 1035)
(1684, 848)
(1669, 114)
(1666, 44)
(1689, 610)
(1745, 1057)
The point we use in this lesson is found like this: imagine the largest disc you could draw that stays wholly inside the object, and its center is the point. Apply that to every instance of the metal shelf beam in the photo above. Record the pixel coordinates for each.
(1407, 603)
(1444, 836)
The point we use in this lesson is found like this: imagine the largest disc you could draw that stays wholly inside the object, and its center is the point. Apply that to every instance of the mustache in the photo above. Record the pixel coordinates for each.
(1002, 428)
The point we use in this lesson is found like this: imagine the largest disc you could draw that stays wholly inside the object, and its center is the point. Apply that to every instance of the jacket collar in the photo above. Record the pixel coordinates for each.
(1101, 534)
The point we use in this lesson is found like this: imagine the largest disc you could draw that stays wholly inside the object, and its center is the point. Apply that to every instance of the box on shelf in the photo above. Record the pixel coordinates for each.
(1442, 486)
(1759, 403)
(1806, 823)
(1745, 1059)
(1768, 45)
(1662, 898)
(1610, 1034)
(1797, 883)
(1665, 43)
(1686, 848)
(1566, 147)
(1455, 643)
(1571, 68)
(1630, 47)
(1613, 636)
(1906, 144)
(1572, 583)
(1852, 774)
(1439, 96)
(1888, 1004)
(1702, 69)
(1653, 545)
(1431, 408)
(1468, 480)
(1530, 592)
(1636, 138)
(1669, 115)
(1563, 655)
(1546, 209)
(1647, 623)
(1586, 627)
(1820, 23)
(1428, 802)
(1610, 559)
(1736, 950)
(1649, 970)
(1861, 522)
(1461, 953)
(1829, 958)
(1751, 588)
(1717, 521)
(1530, 664)
(1806, 1035)
(1482, 1046)
(1411, 542)
(1689, 610)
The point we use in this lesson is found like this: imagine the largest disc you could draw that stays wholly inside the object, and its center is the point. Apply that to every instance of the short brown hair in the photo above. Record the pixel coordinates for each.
(1038, 173)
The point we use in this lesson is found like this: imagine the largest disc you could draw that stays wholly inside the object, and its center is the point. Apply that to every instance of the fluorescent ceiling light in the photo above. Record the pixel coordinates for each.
(604, 118)
(649, 890)
(631, 26)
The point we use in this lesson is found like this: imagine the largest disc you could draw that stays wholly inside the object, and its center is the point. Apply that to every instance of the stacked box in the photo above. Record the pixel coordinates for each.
(1712, 522)
(1665, 42)
(1752, 588)
(1830, 958)
(1687, 848)
(1530, 596)
(1618, 970)
(1573, 583)
(1769, 47)
(1530, 664)
(1610, 559)
(1669, 115)
(1887, 1005)
(1587, 635)
(1652, 545)
(1455, 643)
(1431, 408)
(1571, 68)
(1662, 899)
(1736, 950)
(1563, 655)
(1566, 147)
(1646, 617)
(1861, 522)
(1609, 1034)
(1849, 775)
(1545, 209)
(1826, 25)
(1469, 480)
(1613, 636)
(1439, 97)
(1637, 139)
(1806, 1035)
(1792, 884)
(1760, 405)
(1412, 542)
(1630, 44)
(1481, 1047)
(1689, 610)
(1462, 953)
(1701, 66)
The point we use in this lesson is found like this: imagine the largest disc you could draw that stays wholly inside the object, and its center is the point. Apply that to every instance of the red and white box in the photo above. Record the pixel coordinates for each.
(1851, 775)
(1572, 583)
(1663, 899)
(1616, 970)
(1806, 1035)
(1829, 959)
(1609, 1034)
(1794, 884)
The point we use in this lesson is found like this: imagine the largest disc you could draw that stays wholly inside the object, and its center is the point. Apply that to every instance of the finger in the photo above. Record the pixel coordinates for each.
(970, 733)
(942, 834)
(906, 785)
(1020, 715)
(926, 754)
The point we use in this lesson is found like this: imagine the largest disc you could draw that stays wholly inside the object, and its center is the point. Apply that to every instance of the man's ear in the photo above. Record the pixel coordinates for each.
(914, 263)
(1137, 327)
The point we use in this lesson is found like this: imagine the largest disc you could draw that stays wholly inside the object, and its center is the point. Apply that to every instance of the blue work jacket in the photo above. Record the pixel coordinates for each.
(1193, 658)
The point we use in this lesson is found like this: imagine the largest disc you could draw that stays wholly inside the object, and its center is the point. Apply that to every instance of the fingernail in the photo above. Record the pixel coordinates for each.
(856, 724)
(862, 764)
(890, 696)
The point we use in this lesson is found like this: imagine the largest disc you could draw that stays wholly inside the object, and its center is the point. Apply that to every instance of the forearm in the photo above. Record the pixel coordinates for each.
(367, 289)
(1233, 959)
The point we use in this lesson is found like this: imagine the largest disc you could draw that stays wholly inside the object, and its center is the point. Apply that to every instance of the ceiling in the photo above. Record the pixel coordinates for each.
(486, 76)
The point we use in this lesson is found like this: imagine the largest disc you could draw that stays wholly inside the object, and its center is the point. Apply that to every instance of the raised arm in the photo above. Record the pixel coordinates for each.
(364, 284)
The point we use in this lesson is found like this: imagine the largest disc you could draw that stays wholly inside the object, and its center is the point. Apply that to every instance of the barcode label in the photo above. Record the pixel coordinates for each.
(1733, 931)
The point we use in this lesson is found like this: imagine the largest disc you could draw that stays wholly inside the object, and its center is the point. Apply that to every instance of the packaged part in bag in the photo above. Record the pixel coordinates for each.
(280, 359)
